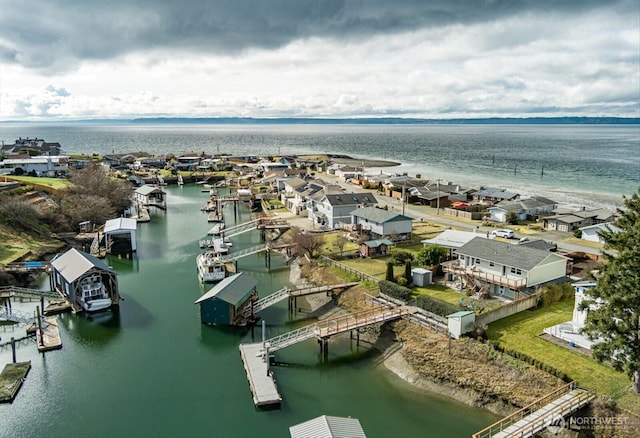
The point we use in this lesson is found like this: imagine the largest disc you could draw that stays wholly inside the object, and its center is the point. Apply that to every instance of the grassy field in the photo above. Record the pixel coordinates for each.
(521, 332)
(54, 183)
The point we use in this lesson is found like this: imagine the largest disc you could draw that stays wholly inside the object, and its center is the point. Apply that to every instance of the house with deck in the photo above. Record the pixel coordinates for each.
(334, 209)
(380, 223)
(494, 268)
(225, 302)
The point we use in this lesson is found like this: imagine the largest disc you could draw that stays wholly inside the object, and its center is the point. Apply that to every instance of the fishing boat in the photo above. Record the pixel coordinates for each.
(210, 267)
(93, 296)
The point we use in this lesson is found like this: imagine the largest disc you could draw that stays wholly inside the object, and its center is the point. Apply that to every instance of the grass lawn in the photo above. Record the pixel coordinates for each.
(54, 183)
(521, 332)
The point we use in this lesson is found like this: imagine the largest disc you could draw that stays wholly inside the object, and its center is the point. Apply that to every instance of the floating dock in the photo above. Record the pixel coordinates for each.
(49, 339)
(261, 381)
(11, 380)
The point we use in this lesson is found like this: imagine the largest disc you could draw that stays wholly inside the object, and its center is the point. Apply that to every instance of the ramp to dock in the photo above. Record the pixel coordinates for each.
(547, 412)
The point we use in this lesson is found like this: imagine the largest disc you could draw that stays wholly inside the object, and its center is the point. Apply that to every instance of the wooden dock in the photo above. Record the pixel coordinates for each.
(11, 380)
(49, 338)
(261, 381)
(546, 413)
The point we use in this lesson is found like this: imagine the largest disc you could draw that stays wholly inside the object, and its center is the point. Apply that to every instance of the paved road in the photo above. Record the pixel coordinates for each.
(426, 214)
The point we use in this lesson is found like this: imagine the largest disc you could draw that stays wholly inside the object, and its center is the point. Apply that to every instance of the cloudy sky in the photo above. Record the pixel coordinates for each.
(70, 59)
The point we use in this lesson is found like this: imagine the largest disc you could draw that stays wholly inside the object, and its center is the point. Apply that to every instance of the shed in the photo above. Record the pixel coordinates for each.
(461, 322)
(148, 195)
(421, 276)
(327, 426)
(375, 248)
(120, 235)
(225, 302)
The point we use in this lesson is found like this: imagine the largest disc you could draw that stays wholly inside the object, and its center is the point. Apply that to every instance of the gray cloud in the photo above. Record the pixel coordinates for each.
(58, 35)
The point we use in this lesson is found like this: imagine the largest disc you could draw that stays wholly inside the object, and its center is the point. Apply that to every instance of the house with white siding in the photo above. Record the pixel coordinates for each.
(333, 209)
(524, 209)
(380, 223)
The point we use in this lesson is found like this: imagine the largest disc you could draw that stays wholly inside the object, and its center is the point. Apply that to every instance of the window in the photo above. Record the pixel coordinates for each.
(516, 271)
(477, 261)
(492, 264)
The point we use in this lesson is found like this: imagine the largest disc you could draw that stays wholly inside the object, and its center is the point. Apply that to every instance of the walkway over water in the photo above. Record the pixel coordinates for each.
(546, 412)
(15, 291)
(25, 267)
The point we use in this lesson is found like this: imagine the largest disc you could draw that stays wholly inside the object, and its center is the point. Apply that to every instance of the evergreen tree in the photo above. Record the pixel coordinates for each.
(407, 271)
(613, 320)
(389, 276)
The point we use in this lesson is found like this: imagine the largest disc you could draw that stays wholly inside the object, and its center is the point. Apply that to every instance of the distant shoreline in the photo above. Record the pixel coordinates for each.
(566, 120)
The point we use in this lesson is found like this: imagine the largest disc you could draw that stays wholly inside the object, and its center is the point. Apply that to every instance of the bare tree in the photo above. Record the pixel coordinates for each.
(306, 243)
(340, 243)
(93, 180)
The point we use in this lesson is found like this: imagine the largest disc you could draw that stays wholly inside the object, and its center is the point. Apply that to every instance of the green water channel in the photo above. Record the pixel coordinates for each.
(152, 369)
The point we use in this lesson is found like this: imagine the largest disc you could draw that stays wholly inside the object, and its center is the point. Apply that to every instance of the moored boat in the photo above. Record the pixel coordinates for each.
(210, 267)
(93, 296)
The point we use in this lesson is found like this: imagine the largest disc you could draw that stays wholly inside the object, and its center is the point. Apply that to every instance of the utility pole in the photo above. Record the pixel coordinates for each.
(438, 199)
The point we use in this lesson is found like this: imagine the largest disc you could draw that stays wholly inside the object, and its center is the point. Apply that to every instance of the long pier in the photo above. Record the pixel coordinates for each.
(545, 413)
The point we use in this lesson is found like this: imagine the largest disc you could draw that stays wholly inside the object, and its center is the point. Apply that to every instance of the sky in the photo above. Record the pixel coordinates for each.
(90, 59)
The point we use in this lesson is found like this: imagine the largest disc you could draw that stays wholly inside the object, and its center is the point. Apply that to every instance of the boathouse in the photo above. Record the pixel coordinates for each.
(120, 235)
(73, 269)
(150, 196)
(225, 302)
(327, 426)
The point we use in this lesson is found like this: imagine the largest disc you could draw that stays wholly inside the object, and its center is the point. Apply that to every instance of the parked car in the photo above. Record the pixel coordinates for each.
(507, 234)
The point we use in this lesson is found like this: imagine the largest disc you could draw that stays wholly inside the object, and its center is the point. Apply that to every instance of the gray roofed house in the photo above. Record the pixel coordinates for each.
(494, 194)
(327, 426)
(224, 303)
(523, 208)
(382, 223)
(573, 220)
(505, 269)
(333, 209)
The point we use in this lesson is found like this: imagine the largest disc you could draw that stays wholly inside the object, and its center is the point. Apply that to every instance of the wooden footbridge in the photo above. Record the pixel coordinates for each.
(256, 356)
(291, 294)
(547, 412)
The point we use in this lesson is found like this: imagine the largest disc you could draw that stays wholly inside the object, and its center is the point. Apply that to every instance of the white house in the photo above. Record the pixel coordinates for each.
(505, 269)
(148, 195)
(571, 331)
(592, 232)
(382, 223)
(42, 165)
(333, 209)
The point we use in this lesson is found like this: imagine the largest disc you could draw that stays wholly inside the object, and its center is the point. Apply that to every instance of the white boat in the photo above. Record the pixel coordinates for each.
(210, 267)
(92, 294)
(180, 180)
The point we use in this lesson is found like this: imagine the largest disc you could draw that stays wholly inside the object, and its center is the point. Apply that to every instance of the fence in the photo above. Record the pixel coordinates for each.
(362, 276)
(506, 310)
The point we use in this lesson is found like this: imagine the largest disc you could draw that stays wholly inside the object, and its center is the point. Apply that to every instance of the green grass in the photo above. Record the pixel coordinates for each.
(521, 332)
(54, 183)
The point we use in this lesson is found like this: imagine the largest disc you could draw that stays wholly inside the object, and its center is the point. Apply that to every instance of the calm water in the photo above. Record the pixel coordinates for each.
(154, 370)
(582, 164)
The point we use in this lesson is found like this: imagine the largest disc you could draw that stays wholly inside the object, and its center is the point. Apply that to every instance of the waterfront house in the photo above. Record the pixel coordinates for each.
(150, 196)
(225, 302)
(503, 269)
(571, 331)
(49, 166)
(453, 239)
(31, 146)
(83, 280)
(492, 195)
(120, 235)
(381, 223)
(524, 209)
(289, 195)
(333, 209)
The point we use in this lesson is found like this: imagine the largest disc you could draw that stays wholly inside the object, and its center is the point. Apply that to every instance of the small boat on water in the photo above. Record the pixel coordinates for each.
(180, 180)
(210, 267)
(93, 296)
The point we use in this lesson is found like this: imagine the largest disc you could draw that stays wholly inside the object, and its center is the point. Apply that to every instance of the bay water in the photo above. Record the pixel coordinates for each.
(151, 369)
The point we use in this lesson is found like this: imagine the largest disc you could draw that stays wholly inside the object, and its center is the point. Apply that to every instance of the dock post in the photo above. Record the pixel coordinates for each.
(13, 349)
(42, 303)
(40, 326)
(266, 357)
(325, 352)
(263, 331)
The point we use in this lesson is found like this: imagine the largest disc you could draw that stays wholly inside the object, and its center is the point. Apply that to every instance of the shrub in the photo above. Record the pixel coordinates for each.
(395, 290)
(432, 255)
(435, 305)
(389, 275)
(401, 257)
